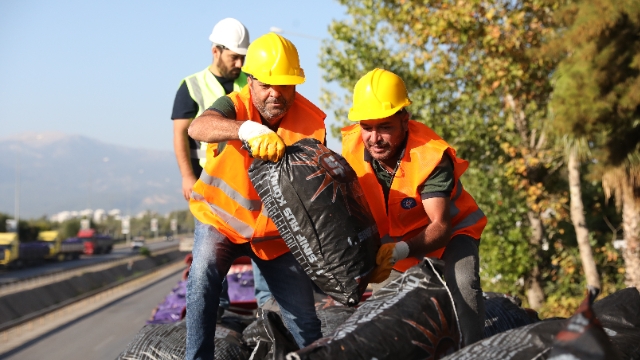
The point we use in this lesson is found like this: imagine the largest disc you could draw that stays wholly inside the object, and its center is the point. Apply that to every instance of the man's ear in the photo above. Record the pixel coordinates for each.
(406, 116)
(215, 52)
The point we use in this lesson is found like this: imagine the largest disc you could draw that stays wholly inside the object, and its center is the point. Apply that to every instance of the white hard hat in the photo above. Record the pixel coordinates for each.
(231, 34)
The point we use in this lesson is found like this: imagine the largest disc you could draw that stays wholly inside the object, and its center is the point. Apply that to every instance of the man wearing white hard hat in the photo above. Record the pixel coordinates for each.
(198, 91)
(230, 40)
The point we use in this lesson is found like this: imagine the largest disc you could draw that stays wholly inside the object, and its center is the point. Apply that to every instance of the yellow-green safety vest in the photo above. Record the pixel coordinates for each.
(205, 89)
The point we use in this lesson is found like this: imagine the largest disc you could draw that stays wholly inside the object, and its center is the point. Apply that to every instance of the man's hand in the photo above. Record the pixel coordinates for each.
(187, 186)
(264, 143)
(388, 255)
(181, 147)
(382, 271)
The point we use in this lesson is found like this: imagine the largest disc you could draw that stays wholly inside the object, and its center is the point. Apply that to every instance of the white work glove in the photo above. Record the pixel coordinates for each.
(400, 251)
(263, 142)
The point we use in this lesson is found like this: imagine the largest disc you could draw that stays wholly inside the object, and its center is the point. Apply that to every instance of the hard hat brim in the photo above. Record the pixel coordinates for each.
(280, 79)
(239, 51)
(363, 115)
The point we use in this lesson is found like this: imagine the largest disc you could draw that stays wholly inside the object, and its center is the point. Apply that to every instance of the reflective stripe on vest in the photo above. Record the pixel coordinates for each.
(224, 196)
(469, 220)
(250, 205)
(405, 216)
(196, 92)
(205, 89)
(198, 153)
(240, 227)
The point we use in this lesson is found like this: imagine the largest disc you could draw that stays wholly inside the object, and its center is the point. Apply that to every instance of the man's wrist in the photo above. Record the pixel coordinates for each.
(191, 176)
(250, 129)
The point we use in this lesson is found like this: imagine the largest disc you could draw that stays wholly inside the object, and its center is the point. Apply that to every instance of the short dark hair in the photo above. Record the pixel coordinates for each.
(401, 111)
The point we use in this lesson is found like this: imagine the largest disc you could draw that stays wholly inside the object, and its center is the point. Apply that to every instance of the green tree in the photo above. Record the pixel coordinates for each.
(69, 228)
(185, 221)
(475, 77)
(3, 222)
(597, 96)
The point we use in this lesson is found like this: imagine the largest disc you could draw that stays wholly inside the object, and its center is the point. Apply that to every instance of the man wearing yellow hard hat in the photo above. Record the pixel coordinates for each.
(230, 40)
(411, 180)
(266, 115)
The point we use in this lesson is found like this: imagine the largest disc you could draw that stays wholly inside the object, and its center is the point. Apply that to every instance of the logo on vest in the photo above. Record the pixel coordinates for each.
(408, 203)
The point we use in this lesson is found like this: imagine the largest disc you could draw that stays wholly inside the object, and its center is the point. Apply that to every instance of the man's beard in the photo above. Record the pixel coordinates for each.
(386, 146)
(272, 115)
(227, 73)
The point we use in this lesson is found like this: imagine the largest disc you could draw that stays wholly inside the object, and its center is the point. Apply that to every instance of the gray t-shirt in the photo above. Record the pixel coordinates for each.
(225, 106)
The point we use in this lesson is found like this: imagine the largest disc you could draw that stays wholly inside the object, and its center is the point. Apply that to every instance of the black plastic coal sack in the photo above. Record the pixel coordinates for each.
(618, 313)
(412, 317)
(610, 329)
(504, 312)
(168, 341)
(269, 339)
(583, 337)
(314, 198)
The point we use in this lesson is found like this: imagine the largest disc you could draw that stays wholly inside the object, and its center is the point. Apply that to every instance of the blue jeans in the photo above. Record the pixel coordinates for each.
(224, 295)
(213, 254)
(262, 291)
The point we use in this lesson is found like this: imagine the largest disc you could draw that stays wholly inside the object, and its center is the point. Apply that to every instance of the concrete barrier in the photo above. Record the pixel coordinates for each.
(19, 306)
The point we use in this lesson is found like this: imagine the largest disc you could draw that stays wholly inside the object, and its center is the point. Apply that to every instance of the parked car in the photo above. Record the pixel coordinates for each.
(137, 243)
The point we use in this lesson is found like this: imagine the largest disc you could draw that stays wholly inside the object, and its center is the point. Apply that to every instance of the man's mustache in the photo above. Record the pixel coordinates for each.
(276, 101)
(378, 144)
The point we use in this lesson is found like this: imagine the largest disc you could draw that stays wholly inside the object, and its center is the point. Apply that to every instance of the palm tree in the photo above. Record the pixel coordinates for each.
(623, 183)
(577, 150)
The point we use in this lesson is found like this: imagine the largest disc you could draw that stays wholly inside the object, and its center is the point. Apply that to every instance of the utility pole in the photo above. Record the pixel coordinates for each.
(17, 194)
(129, 210)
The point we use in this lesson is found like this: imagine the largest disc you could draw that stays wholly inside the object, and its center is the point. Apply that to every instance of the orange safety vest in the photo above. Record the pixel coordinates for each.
(405, 216)
(224, 196)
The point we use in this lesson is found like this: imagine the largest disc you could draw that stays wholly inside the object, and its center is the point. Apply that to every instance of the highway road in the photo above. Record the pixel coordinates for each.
(101, 334)
(8, 276)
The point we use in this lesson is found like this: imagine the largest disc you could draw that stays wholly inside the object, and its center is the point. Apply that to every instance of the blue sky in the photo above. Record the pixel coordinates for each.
(109, 69)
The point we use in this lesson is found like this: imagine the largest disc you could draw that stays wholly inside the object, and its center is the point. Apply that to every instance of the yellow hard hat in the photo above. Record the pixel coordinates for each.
(273, 60)
(377, 95)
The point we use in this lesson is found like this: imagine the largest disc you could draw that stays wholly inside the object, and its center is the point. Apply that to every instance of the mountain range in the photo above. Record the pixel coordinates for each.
(54, 172)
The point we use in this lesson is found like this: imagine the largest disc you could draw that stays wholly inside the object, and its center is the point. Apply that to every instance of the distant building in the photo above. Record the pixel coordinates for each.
(98, 216)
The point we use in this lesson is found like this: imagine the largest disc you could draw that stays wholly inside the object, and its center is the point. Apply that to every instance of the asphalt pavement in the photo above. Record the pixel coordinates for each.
(101, 334)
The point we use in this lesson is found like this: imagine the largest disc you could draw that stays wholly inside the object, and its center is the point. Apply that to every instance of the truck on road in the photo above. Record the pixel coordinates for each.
(15, 253)
(68, 249)
(95, 243)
